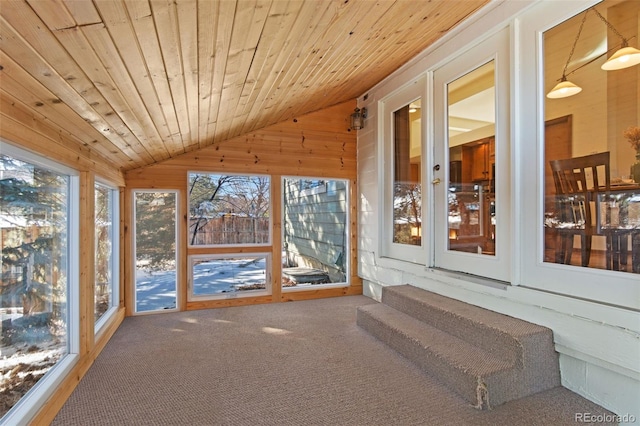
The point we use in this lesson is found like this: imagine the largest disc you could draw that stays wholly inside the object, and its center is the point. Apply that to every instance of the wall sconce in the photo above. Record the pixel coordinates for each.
(357, 118)
(624, 57)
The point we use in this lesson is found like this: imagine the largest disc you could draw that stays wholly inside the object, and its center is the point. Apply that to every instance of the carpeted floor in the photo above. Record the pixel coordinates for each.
(298, 363)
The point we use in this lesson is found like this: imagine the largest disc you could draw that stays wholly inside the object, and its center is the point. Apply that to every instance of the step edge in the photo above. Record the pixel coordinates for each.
(503, 317)
(435, 349)
(470, 383)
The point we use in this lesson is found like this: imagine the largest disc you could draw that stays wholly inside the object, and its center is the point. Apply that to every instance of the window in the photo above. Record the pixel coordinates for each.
(106, 242)
(407, 198)
(228, 209)
(38, 210)
(155, 221)
(471, 133)
(403, 199)
(585, 227)
(315, 246)
(597, 129)
(228, 276)
(232, 211)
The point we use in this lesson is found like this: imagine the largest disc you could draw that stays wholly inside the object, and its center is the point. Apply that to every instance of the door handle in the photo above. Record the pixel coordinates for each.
(435, 181)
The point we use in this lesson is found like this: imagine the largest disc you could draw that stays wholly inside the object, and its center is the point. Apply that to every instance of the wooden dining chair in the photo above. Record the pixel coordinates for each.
(577, 183)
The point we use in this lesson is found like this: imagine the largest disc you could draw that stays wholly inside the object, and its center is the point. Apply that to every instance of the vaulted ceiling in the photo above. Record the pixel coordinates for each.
(140, 81)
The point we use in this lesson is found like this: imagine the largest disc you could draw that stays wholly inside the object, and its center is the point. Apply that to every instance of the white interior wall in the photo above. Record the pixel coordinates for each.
(598, 344)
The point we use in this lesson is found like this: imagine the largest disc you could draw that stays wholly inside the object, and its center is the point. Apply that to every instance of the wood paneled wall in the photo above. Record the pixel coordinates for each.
(35, 132)
(318, 144)
(21, 127)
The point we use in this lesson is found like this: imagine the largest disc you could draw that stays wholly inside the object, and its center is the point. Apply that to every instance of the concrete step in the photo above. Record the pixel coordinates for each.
(488, 358)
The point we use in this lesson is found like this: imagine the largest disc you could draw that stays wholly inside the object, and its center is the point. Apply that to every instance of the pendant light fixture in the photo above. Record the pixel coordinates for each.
(624, 57)
(566, 88)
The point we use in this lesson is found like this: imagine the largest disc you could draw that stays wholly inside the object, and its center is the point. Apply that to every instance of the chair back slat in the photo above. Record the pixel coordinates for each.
(577, 182)
(571, 177)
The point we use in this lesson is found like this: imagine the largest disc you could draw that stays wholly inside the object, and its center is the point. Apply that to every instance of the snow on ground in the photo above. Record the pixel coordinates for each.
(157, 290)
(227, 275)
(22, 365)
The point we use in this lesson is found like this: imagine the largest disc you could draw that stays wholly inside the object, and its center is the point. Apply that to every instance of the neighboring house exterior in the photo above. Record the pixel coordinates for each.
(315, 226)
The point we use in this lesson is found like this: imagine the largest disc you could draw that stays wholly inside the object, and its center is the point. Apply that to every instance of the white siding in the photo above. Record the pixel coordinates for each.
(599, 344)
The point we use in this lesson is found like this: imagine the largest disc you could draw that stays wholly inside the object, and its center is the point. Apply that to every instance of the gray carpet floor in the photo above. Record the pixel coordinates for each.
(297, 363)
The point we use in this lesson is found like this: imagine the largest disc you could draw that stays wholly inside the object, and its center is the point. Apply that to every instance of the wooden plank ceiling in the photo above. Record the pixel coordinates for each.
(140, 81)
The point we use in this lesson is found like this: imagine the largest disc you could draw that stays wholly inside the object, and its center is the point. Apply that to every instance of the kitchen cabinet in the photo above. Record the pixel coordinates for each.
(472, 198)
(478, 158)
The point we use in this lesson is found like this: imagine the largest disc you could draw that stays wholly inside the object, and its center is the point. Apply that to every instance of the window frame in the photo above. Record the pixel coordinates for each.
(327, 186)
(133, 290)
(231, 246)
(192, 259)
(114, 196)
(621, 288)
(32, 401)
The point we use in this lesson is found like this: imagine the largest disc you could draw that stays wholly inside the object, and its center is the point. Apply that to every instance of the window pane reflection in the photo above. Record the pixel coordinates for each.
(407, 196)
(592, 141)
(471, 197)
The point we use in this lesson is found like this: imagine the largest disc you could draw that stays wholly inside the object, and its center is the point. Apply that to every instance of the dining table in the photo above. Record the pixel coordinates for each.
(618, 218)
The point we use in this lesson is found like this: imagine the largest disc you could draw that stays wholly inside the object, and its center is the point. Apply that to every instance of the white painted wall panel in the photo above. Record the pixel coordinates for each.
(599, 344)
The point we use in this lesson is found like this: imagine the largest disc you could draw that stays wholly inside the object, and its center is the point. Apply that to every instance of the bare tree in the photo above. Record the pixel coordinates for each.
(214, 195)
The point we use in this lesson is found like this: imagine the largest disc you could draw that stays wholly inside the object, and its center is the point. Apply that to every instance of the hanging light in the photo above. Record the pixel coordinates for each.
(357, 118)
(566, 88)
(624, 57)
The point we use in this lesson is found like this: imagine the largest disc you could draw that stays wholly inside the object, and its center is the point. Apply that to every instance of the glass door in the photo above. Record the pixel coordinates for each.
(155, 222)
(471, 184)
(403, 164)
